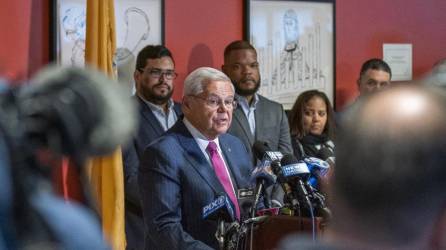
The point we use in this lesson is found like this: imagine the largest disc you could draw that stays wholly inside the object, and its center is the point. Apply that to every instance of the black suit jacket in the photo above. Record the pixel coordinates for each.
(149, 130)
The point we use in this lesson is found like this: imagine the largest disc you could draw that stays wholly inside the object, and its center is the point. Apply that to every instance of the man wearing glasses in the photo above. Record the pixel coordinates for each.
(154, 82)
(191, 165)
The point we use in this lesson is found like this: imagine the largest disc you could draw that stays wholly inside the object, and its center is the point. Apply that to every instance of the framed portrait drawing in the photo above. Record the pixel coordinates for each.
(295, 46)
(137, 22)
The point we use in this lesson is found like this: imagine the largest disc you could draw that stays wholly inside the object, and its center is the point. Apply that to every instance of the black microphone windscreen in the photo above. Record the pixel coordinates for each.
(260, 148)
(324, 153)
(288, 159)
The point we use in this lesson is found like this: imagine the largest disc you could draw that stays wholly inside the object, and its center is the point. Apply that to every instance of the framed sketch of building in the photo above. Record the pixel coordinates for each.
(138, 23)
(295, 46)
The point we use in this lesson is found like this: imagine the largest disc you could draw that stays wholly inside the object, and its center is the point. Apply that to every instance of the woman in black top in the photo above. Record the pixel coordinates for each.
(312, 127)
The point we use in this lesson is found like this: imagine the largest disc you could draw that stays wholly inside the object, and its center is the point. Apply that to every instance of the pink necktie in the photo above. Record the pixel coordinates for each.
(222, 174)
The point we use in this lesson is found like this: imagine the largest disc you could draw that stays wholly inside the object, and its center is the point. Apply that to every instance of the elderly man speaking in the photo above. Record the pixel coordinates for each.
(191, 165)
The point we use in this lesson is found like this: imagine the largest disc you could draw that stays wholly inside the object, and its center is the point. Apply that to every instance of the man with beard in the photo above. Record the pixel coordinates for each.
(256, 118)
(154, 75)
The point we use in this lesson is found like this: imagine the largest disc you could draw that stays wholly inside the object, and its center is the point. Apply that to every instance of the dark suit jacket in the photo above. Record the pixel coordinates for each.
(176, 182)
(271, 126)
(149, 130)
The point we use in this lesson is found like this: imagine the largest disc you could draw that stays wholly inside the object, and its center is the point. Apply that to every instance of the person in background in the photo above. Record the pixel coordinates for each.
(154, 79)
(312, 126)
(375, 75)
(388, 184)
(437, 76)
(256, 117)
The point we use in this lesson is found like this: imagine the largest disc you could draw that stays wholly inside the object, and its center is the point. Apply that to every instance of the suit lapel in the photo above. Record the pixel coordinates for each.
(231, 162)
(259, 116)
(177, 109)
(196, 158)
(241, 119)
(149, 117)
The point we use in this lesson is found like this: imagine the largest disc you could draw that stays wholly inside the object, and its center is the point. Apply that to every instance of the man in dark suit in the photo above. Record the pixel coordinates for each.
(154, 75)
(191, 165)
(256, 117)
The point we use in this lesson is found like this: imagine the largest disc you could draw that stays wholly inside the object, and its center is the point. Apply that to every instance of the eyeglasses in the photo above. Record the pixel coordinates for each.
(157, 73)
(215, 102)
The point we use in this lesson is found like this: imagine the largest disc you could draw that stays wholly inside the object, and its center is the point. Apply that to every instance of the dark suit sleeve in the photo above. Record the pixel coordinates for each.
(160, 184)
(131, 164)
(285, 138)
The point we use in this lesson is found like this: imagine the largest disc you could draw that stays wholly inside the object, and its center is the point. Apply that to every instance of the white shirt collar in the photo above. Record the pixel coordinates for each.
(201, 140)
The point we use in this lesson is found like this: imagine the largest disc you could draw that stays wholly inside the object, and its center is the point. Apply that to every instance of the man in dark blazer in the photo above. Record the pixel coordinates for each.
(153, 77)
(179, 174)
(256, 117)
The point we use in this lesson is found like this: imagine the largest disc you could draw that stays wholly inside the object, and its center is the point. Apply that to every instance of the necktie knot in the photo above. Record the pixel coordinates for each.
(212, 147)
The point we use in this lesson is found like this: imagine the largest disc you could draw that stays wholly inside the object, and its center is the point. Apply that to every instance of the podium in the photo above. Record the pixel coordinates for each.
(267, 234)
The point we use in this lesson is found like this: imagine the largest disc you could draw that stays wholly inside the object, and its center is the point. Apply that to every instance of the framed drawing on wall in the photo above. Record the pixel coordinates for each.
(295, 46)
(138, 23)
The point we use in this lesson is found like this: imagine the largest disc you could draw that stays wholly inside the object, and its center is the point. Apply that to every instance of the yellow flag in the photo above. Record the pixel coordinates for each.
(106, 173)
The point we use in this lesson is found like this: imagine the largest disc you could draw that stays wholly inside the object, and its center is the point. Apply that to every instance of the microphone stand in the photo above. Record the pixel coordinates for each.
(220, 234)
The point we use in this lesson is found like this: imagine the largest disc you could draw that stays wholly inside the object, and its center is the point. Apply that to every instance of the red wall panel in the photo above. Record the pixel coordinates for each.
(363, 26)
(197, 31)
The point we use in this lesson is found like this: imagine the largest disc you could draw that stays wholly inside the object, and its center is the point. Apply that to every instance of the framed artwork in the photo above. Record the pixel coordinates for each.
(295, 46)
(138, 23)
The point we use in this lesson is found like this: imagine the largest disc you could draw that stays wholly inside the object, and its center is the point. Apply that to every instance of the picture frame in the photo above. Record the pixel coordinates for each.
(295, 43)
(137, 22)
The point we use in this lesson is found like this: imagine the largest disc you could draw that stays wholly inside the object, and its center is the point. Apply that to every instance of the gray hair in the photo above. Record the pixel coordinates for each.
(196, 81)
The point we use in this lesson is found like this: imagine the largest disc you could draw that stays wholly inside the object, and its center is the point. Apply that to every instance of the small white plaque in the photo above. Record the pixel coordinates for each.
(399, 58)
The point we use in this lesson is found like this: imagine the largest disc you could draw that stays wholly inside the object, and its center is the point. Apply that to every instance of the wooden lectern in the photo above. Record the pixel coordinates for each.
(267, 234)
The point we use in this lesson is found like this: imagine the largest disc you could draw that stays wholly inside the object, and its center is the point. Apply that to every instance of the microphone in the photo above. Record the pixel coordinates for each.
(219, 209)
(327, 154)
(292, 168)
(266, 156)
(263, 175)
(80, 112)
(295, 173)
(299, 172)
(263, 178)
(317, 167)
(263, 152)
(319, 201)
(289, 195)
(245, 197)
(222, 211)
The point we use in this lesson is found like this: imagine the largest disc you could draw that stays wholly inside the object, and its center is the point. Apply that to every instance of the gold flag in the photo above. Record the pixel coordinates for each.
(106, 173)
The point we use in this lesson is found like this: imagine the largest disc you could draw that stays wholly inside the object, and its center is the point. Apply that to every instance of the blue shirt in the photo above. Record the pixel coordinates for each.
(248, 110)
(166, 119)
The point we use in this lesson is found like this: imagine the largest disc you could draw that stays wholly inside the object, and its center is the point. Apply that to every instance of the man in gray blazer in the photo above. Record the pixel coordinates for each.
(256, 117)
(154, 79)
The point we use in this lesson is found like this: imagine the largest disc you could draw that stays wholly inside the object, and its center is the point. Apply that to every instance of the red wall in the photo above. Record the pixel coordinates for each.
(363, 26)
(24, 46)
(197, 31)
